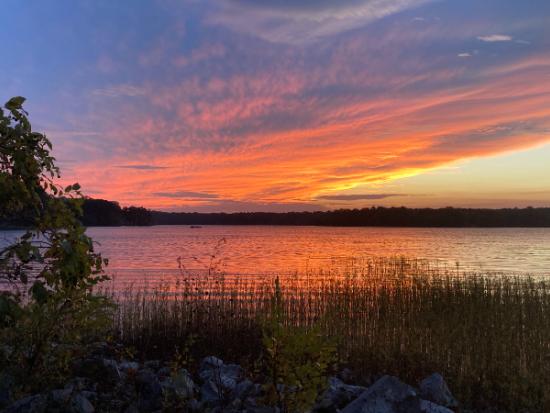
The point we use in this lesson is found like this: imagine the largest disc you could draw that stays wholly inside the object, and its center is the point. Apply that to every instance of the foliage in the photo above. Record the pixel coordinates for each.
(374, 216)
(47, 308)
(296, 360)
(99, 212)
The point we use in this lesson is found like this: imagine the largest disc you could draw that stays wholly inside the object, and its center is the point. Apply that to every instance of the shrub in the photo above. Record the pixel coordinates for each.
(296, 360)
(48, 311)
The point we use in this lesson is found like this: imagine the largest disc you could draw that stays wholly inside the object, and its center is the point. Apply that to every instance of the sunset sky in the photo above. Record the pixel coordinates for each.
(265, 105)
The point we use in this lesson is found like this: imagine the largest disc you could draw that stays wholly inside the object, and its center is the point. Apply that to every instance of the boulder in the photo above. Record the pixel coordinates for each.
(390, 395)
(97, 369)
(211, 393)
(384, 396)
(184, 386)
(6, 384)
(247, 389)
(128, 365)
(149, 391)
(435, 389)
(80, 404)
(31, 404)
(337, 395)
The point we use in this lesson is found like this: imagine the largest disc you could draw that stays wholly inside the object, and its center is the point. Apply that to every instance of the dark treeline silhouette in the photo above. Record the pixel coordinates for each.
(375, 216)
(99, 212)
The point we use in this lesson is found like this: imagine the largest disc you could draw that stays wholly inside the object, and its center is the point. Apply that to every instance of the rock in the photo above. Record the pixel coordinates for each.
(434, 388)
(184, 386)
(219, 380)
(61, 396)
(98, 369)
(128, 365)
(346, 375)
(195, 406)
(209, 363)
(80, 404)
(6, 384)
(246, 389)
(149, 391)
(384, 396)
(337, 395)
(31, 404)
(429, 407)
(211, 393)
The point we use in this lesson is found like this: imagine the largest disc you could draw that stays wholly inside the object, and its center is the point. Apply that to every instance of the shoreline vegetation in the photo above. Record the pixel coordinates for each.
(97, 212)
(488, 335)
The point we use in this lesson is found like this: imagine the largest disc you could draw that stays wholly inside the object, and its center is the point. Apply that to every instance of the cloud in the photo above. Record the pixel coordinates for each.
(185, 194)
(230, 206)
(301, 22)
(495, 38)
(357, 197)
(117, 91)
(466, 54)
(142, 167)
(244, 123)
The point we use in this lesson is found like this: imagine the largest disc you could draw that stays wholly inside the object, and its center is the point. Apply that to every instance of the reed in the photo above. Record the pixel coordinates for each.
(488, 334)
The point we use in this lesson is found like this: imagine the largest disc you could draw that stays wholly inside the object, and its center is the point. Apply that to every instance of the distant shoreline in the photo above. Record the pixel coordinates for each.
(98, 212)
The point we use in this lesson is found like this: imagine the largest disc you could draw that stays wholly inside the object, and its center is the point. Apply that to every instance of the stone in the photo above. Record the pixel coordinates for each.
(184, 386)
(98, 369)
(384, 396)
(209, 363)
(211, 393)
(346, 375)
(6, 384)
(80, 404)
(245, 389)
(128, 365)
(149, 391)
(31, 404)
(337, 395)
(429, 407)
(61, 396)
(435, 389)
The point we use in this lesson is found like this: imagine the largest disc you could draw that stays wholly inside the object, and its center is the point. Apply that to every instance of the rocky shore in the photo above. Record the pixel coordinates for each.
(103, 384)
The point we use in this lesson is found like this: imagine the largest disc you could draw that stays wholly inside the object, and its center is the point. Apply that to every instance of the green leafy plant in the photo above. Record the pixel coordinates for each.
(296, 359)
(48, 310)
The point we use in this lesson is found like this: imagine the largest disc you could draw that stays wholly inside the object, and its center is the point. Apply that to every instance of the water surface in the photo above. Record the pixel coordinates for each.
(154, 252)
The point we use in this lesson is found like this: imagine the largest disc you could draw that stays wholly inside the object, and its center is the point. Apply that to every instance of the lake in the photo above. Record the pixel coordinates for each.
(153, 252)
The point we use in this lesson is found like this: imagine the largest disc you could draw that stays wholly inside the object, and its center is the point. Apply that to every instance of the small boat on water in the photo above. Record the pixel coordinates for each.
(195, 226)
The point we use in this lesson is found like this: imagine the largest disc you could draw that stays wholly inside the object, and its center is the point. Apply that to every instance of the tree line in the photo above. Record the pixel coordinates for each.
(100, 212)
(375, 216)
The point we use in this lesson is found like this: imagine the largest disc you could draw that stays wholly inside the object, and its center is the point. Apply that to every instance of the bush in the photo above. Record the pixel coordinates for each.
(48, 312)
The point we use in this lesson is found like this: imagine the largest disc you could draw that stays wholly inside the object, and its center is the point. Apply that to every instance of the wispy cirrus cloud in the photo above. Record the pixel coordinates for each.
(185, 194)
(358, 197)
(122, 90)
(142, 167)
(495, 38)
(301, 22)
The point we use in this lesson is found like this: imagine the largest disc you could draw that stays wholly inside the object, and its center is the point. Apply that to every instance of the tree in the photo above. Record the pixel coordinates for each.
(48, 310)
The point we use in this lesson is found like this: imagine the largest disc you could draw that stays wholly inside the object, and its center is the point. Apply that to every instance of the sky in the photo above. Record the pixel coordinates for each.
(288, 105)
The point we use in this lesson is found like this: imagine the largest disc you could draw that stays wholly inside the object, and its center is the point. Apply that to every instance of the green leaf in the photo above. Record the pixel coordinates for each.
(39, 292)
(15, 103)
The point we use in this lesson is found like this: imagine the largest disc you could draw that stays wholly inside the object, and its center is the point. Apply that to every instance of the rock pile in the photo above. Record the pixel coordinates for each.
(104, 385)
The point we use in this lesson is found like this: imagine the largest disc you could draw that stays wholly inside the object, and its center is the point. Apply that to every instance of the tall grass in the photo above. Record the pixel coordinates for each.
(488, 334)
